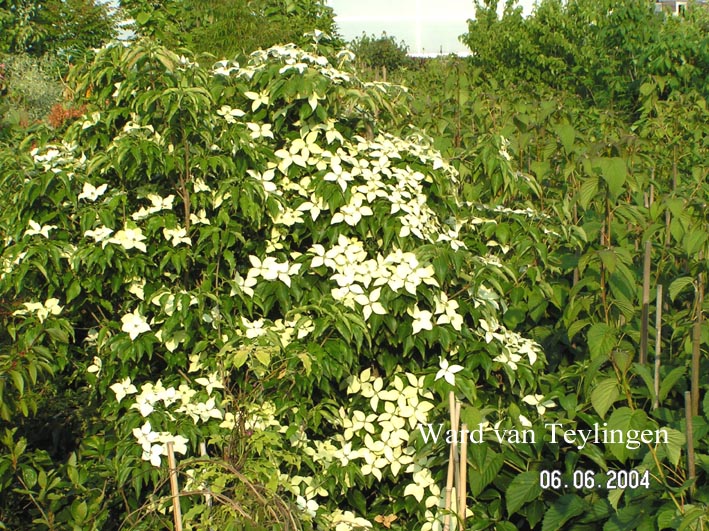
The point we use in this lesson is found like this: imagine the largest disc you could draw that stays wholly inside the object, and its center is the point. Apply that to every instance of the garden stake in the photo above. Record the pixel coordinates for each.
(174, 487)
(451, 458)
(644, 325)
(691, 471)
(457, 450)
(463, 465)
(696, 341)
(658, 346)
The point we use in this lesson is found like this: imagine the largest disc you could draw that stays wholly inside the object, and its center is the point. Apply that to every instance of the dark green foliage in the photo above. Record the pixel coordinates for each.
(225, 28)
(69, 27)
(378, 52)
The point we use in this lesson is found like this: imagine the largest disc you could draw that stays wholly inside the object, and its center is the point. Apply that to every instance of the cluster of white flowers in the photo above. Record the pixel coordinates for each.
(8, 264)
(514, 346)
(58, 158)
(285, 330)
(41, 310)
(153, 395)
(154, 444)
(134, 128)
(378, 440)
(158, 203)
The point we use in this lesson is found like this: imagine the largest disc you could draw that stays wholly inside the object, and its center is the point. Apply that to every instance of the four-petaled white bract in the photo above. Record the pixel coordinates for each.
(128, 238)
(42, 230)
(123, 388)
(91, 192)
(539, 402)
(134, 324)
(447, 371)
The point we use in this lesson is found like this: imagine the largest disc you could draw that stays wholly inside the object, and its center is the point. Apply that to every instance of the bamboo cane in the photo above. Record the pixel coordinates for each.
(696, 341)
(463, 478)
(691, 470)
(658, 346)
(174, 488)
(451, 459)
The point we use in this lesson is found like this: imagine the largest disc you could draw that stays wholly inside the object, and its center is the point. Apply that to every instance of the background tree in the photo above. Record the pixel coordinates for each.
(382, 51)
(229, 27)
(58, 26)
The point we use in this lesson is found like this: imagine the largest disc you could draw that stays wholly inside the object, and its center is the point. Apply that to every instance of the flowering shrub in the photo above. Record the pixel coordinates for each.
(243, 256)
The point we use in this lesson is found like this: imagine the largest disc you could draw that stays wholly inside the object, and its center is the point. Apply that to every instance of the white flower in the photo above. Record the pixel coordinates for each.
(313, 100)
(179, 443)
(35, 228)
(200, 218)
(123, 388)
(308, 506)
(447, 314)
(50, 307)
(259, 99)
(539, 402)
(370, 303)
(447, 371)
(134, 324)
(260, 130)
(99, 234)
(177, 236)
(266, 179)
(95, 367)
(509, 359)
(422, 319)
(230, 114)
(128, 239)
(91, 193)
(524, 421)
(352, 212)
(213, 382)
(153, 454)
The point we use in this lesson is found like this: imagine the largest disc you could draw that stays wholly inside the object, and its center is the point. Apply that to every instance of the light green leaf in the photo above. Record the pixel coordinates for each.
(588, 190)
(522, 489)
(604, 395)
(670, 380)
(678, 285)
(673, 447)
(601, 339)
(614, 172)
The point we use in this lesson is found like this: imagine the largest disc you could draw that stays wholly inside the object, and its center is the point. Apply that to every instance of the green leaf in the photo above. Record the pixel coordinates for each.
(563, 509)
(482, 477)
(601, 339)
(604, 395)
(263, 355)
(670, 380)
(614, 172)
(142, 18)
(29, 476)
(693, 242)
(79, 511)
(627, 519)
(588, 190)
(678, 285)
(505, 526)
(522, 489)
(567, 135)
(673, 447)
(19, 381)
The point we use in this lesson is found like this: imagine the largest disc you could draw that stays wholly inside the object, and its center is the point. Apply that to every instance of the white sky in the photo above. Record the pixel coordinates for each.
(426, 26)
